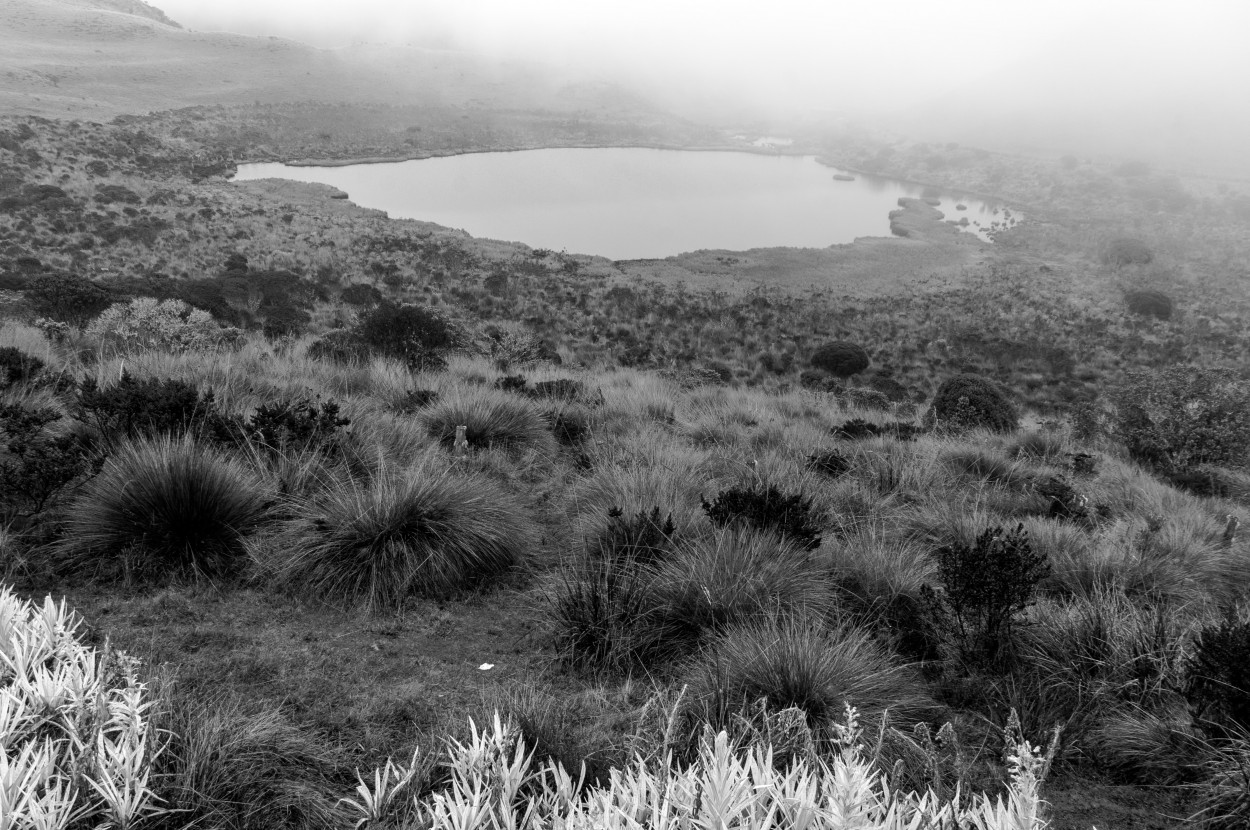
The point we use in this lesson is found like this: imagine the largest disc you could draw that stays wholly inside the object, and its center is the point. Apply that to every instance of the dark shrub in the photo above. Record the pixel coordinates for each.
(418, 336)
(841, 359)
(767, 508)
(1218, 675)
(1208, 482)
(829, 462)
(109, 193)
(569, 424)
(143, 408)
(67, 298)
(1125, 250)
(858, 428)
(1148, 303)
(165, 506)
(866, 399)
(818, 381)
(37, 465)
(1176, 418)
(13, 281)
(302, 425)
(339, 347)
(236, 263)
(985, 585)
(972, 402)
(513, 383)
(645, 538)
(361, 294)
(17, 367)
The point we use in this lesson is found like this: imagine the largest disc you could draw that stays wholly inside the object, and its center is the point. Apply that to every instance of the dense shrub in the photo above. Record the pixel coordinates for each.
(143, 408)
(985, 585)
(361, 294)
(767, 508)
(569, 424)
(418, 336)
(340, 346)
(37, 465)
(67, 298)
(972, 402)
(286, 425)
(1176, 418)
(645, 538)
(829, 462)
(858, 428)
(518, 384)
(162, 507)
(1149, 303)
(491, 418)
(841, 359)
(1126, 250)
(421, 532)
(17, 367)
(1218, 676)
(169, 325)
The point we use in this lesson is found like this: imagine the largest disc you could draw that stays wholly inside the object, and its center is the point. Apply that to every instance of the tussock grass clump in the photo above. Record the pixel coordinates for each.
(492, 419)
(735, 575)
(795, 661)
(166, 505)
(244, 766)
(426, 531)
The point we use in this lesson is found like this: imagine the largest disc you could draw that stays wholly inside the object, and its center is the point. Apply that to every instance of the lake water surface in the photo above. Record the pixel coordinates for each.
(631, 203)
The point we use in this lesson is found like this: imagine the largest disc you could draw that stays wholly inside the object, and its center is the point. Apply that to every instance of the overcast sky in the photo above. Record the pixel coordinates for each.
(815, 54)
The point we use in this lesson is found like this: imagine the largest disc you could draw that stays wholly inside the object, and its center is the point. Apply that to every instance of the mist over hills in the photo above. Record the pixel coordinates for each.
(101, 58)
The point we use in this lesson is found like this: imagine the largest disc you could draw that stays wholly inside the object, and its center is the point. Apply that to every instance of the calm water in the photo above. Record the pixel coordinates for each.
(630, 203)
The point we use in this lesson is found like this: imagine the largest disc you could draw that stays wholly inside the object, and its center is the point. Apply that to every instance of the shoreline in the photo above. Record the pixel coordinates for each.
(422, 156)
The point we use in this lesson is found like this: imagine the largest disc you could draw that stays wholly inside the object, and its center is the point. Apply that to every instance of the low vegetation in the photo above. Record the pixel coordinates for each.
(354, 481)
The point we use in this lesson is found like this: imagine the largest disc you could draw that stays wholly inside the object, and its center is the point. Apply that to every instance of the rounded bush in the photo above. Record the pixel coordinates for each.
(801, 663)
(841, 358)
(419, 336)
(165, 505)
(1149, 303)
(425, 531)
(972, 402)
(1126, 250)
(491, 419)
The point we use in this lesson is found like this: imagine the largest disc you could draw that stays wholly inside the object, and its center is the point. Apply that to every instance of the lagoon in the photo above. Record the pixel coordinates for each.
(633, 203)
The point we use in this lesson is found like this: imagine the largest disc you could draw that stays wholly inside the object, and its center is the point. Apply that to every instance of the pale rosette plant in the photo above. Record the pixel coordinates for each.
(74, 725)
(495, 785)
(166, 325)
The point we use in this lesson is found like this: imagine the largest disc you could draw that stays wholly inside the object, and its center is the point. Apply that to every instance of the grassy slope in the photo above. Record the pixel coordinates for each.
(382, 684)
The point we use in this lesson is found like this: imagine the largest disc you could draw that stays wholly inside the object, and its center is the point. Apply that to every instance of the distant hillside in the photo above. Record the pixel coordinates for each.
(133, 7)
(100, 58)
